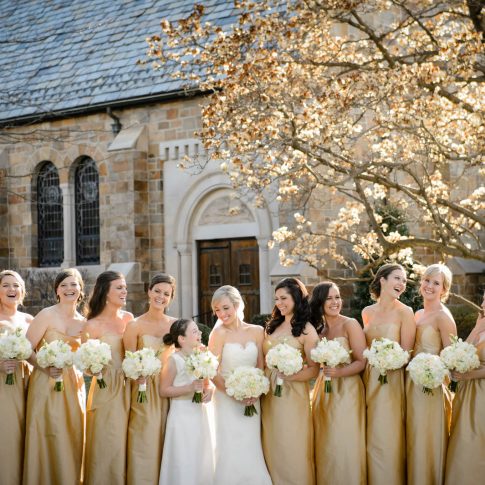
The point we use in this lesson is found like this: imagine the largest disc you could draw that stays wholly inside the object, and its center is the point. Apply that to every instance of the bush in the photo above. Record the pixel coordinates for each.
(205, 332)
(260, 319)
(465, 319)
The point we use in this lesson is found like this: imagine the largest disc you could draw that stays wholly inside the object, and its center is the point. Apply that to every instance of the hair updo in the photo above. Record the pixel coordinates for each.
(177, 329)
(383, 272)
(446, 274)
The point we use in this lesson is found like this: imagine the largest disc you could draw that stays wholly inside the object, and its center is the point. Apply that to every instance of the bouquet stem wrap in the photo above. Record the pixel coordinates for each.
(142, 393)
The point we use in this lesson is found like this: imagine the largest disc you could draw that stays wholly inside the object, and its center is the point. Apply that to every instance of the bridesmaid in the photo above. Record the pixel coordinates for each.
(465, 463)
(55, 420)
(339, 416)
(287, 429)
(428, 416)
(389, 318)
(147, 420)
(12, 397)
(108, 408)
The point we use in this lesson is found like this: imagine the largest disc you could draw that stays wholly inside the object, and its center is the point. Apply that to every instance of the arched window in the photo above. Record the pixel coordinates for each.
(86, 183)
(49, 217)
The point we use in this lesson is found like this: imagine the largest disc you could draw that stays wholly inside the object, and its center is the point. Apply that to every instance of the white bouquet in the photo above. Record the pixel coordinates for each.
(384, 355)
(201, 364)
(332, 354)
(14, 345)
(285, 359)
(247, 382)
(142, 363)
(92, 356)
(460, 356)
(427, 370)
(55, 354)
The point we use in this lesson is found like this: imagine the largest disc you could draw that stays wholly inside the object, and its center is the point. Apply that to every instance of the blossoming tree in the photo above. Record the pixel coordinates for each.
(359, 104)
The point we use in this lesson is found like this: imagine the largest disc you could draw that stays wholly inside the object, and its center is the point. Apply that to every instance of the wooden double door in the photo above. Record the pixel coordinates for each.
(228, 262)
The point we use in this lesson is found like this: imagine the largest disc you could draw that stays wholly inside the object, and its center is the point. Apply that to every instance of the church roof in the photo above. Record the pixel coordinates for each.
(59, 57)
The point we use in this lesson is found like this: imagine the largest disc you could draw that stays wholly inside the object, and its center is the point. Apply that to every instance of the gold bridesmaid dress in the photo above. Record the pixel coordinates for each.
(465, 461)
(54, 425)
(107, 422)
(147, 425)
(427, 419)
(287, 429)
(339, 427)
(12, 425)
(386, 449)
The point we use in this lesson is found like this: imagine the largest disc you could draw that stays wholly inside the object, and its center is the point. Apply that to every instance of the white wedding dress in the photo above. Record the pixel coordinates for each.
(238, 455)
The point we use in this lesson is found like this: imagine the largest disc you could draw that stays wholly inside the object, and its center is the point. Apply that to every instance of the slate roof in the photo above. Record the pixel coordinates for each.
(62, 56)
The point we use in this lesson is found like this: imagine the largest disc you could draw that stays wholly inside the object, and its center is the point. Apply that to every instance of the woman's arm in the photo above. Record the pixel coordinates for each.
(167, 389)
(408, 328)
(216, 343)
(130, 336)
(446, 327)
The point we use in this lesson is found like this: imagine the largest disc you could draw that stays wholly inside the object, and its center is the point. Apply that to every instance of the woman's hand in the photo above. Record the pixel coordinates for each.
(331, 371)
(8, 366)
(207, 394)
(250, 401)
(284, 377)
(198, 385)
(458, 376)
(141, 380)
(54, 372)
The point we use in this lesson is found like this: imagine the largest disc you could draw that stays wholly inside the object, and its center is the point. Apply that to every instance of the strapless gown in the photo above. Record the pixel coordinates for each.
(107, 422)
(147, 425)
(54, 424)
(427, 419)
(465, 460)
(339, 427)
(386, 448)
(239, 456)
(12, 424)
(287, 427)
(187, 452)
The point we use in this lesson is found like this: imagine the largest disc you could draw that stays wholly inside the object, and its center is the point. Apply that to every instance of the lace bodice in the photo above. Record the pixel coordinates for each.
(235, 355)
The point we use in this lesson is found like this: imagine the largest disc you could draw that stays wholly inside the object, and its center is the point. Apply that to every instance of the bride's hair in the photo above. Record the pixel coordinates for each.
(301, 312)
(232, 293)
(177, 329)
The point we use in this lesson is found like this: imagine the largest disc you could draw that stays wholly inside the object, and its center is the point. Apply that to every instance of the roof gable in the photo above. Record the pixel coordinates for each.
(59, 56)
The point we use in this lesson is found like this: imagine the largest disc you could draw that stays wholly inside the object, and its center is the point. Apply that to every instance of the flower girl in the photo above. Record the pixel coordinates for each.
(187, 434)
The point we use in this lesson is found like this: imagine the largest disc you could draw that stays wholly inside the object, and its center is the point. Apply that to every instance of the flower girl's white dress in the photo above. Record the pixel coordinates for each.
(239, 454)
(187, 452)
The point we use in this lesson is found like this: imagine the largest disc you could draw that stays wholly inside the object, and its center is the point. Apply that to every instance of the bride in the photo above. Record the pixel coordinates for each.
(238, 455)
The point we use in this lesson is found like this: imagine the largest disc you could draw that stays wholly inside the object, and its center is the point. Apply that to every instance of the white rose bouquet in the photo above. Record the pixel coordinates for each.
(332, 354)
(55, 354)
(285, 359)
(92, 356)
(460, 356)
(247, 382)
(14, 345)
(385, 354)
(142, 363)
(428, 371)
(201, 364)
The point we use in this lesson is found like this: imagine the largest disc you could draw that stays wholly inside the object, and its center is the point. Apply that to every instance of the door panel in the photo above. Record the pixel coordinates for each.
(228, 262)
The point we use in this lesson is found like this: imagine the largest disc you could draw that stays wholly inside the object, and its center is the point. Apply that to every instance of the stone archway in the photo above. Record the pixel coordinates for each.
(197, 208)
